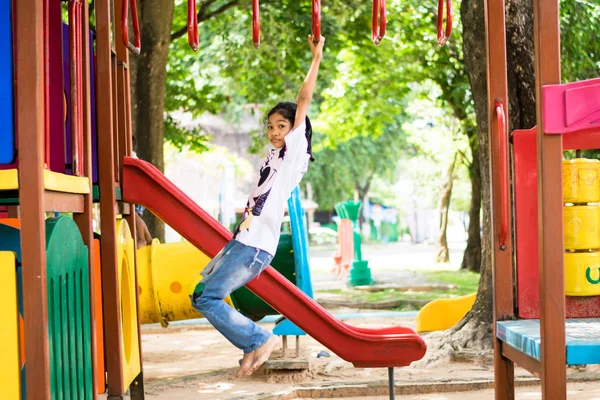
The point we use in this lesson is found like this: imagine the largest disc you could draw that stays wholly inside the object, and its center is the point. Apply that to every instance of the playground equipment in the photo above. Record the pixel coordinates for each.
(442, 314)
(378, 27)
(66, 311)
(359, 273)
(70, 296)
(344, 255)
(536, 334)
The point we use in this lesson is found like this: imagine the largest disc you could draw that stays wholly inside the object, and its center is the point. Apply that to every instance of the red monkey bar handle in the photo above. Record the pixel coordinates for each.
(255, 23)
(135, 49)
(316, 20)
(74, 64)
(379, 21)
(502, 153)
(443, 36)
(192, 26)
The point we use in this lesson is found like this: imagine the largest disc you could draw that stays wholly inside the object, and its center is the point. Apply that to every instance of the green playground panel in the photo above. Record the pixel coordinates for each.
(68, 307)
(253, 306)
(9, 197)
(68, 311)
(96, 193)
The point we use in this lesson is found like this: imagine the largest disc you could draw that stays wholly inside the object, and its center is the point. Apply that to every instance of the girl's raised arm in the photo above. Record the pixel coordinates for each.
(308, 87)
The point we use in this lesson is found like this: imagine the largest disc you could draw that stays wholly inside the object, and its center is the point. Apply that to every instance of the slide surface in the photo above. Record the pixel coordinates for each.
(442, 314)
(398, 346)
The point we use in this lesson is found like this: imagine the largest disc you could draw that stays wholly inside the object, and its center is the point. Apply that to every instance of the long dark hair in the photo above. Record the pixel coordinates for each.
(287, 110)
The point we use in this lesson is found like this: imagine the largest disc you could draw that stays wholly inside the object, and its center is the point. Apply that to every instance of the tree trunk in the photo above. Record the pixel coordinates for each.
(148, 73)
(362, 192)
(475, 330)
(443, 255)
(472, 256)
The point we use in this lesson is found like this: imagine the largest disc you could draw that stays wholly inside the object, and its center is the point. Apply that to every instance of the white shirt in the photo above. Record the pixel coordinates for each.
(281, 172)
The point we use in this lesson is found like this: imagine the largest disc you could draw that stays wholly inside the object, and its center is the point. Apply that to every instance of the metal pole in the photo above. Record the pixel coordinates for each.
(392, 386)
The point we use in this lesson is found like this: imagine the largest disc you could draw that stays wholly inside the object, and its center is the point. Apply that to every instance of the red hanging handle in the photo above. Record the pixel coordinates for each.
(443, 36)
(78, 165)
(255, 23)
(135, 49)
(502, 153)
(379, 21)
(74, 76)
(316, 20)
(192, 25)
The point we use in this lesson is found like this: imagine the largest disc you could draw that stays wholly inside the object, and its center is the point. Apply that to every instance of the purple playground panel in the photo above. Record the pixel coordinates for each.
(67, 91)
(55, 104)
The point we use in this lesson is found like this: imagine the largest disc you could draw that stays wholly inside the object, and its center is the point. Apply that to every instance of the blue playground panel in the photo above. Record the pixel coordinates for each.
(582, 337)
(7, 134)
(283, 326)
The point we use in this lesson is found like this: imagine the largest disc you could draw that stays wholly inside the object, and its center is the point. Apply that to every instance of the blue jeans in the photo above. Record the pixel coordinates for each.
(234, 266)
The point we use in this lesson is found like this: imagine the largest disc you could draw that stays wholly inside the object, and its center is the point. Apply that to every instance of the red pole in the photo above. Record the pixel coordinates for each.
(192, 25)
(255, 23)
(316, 20)
(443, 36)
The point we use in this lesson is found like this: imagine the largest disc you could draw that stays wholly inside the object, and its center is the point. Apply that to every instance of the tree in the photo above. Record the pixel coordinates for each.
(447, 181)
(446, 67)
(351, 166)
(148, 77)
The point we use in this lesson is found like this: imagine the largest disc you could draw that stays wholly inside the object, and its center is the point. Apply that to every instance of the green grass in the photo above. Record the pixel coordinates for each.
(466, 282)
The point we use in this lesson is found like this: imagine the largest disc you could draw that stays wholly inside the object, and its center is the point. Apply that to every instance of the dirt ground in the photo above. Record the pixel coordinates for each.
(196, 362)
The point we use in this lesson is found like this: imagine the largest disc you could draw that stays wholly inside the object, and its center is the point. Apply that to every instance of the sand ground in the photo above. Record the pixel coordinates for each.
(195, 362)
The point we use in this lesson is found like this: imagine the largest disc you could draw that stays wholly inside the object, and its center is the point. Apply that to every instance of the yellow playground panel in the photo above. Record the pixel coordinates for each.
(166, 274)
(10, 368)
(441, 314)
(129, 324)
(9, 180)
(581, 214)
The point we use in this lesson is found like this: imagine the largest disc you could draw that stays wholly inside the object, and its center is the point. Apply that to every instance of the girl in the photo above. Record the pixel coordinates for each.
(255, 240)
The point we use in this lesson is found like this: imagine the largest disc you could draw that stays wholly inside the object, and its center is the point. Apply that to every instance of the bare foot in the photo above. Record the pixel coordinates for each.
(246, 364)
(261, 355)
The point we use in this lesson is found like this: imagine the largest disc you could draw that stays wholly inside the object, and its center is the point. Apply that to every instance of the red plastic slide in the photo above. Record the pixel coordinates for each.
(398, 346)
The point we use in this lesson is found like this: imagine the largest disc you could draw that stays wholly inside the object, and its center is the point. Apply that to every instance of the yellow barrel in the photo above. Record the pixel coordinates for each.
(165, 273)
(582, 274)
(581, 180)
(581, 227)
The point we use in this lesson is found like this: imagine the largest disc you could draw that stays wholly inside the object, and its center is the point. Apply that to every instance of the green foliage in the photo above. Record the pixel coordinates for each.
(353, 164)
(580, 39)
(360, 107)
(181, 137)
(580, 47)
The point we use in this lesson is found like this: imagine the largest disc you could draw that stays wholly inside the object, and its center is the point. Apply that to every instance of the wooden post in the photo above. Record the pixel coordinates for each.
(106, 160)
(84, 220)
(502, 252)
(30, 126)
(550, 208)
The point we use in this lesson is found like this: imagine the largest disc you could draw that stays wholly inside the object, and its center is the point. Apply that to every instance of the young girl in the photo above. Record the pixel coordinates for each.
(255, 240)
